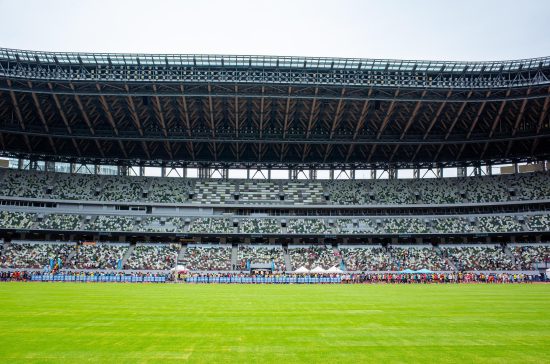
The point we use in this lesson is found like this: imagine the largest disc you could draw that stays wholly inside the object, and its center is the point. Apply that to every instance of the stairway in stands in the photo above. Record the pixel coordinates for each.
(288, 263)
(128, 253)
(449, 262)
(234, 255)
(510, 255)
(71, 254)
(182, 253)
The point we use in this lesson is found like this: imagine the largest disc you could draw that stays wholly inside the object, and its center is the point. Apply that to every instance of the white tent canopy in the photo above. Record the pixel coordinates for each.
(318, 270)
(334, 269)
(302, 269)
(179, 268)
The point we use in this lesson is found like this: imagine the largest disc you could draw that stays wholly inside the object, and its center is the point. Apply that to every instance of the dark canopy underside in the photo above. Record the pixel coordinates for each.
(281, 122)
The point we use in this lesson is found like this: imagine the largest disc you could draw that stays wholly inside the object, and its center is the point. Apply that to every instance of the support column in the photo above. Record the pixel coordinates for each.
(122, 170)
(373, 173)
(416, 173)
(312, 174)
(461, 172)
(392, 173)
(477, 171)
(50, 166)
(204, 172)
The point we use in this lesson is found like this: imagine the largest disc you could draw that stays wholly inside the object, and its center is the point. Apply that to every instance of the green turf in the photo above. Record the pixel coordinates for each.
(142, 323)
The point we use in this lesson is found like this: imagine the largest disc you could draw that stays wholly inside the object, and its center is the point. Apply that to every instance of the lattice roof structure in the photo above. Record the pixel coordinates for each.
(218, 110)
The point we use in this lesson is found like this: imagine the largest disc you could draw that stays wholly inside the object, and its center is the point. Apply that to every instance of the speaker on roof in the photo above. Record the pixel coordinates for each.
(145, 100)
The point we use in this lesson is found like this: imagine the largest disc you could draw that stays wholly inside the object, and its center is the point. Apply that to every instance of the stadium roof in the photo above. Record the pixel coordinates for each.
(222, 110)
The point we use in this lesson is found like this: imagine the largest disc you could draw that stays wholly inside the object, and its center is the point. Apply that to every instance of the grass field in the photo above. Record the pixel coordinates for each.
(141, 323)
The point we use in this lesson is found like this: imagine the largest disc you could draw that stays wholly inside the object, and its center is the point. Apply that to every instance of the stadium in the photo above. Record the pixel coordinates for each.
(229, 208)
(299, 130)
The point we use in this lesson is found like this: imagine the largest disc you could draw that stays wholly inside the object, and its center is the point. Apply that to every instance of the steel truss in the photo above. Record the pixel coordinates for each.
(271, 112)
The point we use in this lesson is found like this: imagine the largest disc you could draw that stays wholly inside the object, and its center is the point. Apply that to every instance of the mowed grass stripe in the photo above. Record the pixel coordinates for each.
(146, 323)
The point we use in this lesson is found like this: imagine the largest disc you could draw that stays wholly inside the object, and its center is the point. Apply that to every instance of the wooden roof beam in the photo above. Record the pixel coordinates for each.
(413, 116)
(388, 115)
(458, 115)
(312, 113)
(19, 117)
(437, 114)
(338, 113)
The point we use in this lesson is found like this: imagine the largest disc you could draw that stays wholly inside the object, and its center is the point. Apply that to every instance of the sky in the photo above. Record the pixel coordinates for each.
(466, 30)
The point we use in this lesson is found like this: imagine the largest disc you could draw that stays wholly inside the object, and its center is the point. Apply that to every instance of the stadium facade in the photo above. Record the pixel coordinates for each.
(218, 113)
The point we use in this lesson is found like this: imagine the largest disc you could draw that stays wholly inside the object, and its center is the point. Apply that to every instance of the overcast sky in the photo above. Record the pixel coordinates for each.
(407, 29)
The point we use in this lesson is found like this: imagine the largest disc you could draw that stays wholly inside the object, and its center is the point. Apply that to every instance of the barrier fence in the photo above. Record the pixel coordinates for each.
(96, 278)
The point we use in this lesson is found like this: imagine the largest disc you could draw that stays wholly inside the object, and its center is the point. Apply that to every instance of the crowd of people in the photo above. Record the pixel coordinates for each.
(480, 257)
(263, 254)
(219, 257)
(526, 256)
(363, 278)
(208, 257)
(310, 257)
(34, 255)
(275, 277)
(153, 257)
(97, 256)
